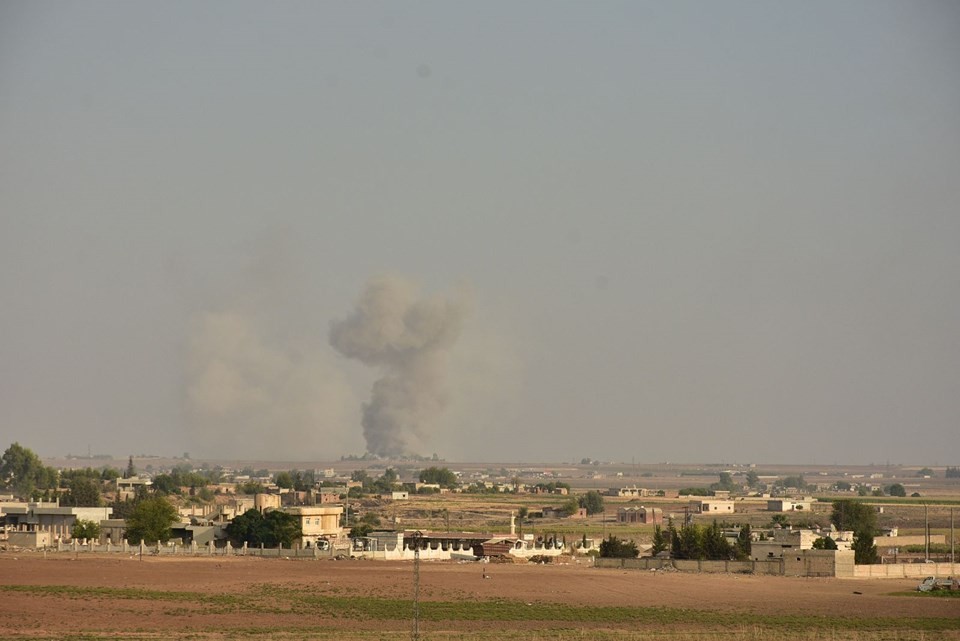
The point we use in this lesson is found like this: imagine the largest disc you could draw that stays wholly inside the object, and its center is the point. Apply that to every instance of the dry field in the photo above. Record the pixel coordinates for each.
(120, 597)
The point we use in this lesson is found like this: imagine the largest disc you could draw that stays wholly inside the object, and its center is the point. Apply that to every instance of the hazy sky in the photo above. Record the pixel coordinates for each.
(685, 231)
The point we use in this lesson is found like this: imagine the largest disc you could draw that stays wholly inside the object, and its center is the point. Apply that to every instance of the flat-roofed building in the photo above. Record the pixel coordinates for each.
(712, 506)
(317, 522)
(640, 515)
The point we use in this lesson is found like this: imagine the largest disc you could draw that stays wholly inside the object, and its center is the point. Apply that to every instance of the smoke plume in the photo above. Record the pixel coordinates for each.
(407, 338)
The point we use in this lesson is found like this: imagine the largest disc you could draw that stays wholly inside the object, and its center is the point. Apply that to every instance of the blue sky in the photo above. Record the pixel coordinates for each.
(684, 231)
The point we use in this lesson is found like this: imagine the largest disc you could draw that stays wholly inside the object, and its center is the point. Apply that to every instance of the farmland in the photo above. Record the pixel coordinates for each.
(121, 597)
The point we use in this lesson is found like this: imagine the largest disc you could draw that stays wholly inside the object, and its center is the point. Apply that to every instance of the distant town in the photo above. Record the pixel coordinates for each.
(843, 521)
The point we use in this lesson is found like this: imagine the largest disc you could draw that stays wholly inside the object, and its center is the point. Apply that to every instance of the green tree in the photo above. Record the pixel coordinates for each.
(82, 529)
(753, 479)
(439, 475)
(250, 487)
(131, 471)
(853, 515)
(22, 471)
(725, 483)
(864, 549)
(165, 484)
(150, 520)
(795, 482)
(780, 519)
(282, 528)
(660, 541)
(896, 489)
(824, 543)
(695, 491)
(365, 525)
(283, 479)
(247, 528)
(83, 492)
(614, 548)
(691, 542)
(744, 542)
(926, 471)
(715, 544)
(570, 506)
(272, 529)
(592, 501)
(109, 474)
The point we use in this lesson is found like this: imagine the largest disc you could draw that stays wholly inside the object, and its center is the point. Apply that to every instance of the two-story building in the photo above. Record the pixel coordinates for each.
(317, 523)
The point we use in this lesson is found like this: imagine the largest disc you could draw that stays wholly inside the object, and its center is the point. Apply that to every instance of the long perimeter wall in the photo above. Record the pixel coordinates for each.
(829, 563)
(906, 570)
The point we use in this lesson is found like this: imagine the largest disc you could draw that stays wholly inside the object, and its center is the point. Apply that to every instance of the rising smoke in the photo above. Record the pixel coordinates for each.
(408, 338)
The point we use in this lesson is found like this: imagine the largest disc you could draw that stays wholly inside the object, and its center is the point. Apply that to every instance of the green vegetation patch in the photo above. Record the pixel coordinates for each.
(278, 600)
(932, 594)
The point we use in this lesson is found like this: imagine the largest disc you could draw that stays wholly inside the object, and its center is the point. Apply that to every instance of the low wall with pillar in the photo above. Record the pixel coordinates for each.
(906, 570)
(828, 563)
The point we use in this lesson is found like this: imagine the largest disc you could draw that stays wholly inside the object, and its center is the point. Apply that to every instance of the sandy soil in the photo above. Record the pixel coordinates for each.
(22, 614)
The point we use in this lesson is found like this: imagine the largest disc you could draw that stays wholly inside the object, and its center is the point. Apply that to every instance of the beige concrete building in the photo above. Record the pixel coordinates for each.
(790, 505)
(318, 523)
(640, 514)
(43, 523)
(712, 506)
(628, 492)
(127, 488)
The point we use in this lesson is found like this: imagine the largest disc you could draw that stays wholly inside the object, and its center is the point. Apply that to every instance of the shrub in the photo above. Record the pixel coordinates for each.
(614, 548)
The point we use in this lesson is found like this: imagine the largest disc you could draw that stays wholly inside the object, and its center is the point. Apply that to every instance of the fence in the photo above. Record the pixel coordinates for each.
(192, 549)
(774, 566)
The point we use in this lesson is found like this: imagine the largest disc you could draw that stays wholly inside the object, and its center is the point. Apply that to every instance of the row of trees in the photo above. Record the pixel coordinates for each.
(707, 542)
(691, 541)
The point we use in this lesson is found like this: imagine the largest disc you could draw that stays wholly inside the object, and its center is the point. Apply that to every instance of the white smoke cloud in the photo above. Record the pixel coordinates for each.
(408, 338)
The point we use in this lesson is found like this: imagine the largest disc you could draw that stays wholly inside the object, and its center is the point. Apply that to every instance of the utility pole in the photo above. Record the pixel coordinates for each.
(417, 537)
(952, 558)
(926, 535)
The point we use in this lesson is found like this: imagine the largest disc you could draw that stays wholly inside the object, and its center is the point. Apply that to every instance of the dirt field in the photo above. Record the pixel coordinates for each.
(100, 597)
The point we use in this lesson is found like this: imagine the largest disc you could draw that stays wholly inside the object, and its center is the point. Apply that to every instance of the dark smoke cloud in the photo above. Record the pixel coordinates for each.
(407, 337)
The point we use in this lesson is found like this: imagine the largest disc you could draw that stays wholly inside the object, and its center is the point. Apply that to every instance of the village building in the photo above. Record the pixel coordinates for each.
(650, 515)
(127, 488)
(712, 506)
(790, 505)
(628, 492)
(317, 523)
(42, 524)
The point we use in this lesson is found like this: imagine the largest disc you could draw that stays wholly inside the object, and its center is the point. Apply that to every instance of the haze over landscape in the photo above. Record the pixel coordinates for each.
(536, 231)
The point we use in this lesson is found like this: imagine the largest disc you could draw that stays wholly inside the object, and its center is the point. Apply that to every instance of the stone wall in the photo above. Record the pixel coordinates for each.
(906, 570)
(800, 563)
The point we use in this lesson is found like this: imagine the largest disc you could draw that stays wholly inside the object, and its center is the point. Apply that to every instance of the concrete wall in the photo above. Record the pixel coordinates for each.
(30, 539)
(815, 562)
(900, 541)
(686, 565)
(906, 570)
(802, 563)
